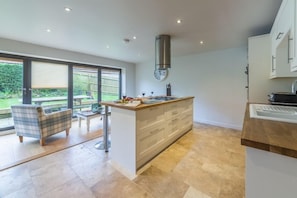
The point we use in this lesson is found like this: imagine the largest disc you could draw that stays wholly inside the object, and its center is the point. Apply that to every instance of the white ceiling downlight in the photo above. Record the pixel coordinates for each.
(67, 9)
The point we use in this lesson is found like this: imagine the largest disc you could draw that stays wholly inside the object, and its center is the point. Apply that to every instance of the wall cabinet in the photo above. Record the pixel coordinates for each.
(294, 41)
(282, 37)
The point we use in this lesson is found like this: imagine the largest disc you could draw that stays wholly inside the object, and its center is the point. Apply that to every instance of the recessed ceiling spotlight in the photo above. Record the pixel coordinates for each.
(48, 30)
(201, 42)
(67, 9)
(134, 37)
(178, 21)
(107, 46)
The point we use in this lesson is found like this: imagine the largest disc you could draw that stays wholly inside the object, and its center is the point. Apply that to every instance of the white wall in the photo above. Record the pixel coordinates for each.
(259, 71)
(216, 79)
(21, 48)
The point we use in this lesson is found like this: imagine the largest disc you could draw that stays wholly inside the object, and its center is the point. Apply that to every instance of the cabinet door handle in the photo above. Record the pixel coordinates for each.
(279, 35)
(289, 47)
(273, 66)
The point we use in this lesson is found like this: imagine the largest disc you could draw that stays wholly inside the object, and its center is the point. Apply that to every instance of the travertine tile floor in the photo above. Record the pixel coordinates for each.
(207, 162)
(13, 152)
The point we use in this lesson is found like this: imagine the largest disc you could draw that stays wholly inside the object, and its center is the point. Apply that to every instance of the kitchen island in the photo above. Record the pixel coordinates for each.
(139, 133)
(271, 152)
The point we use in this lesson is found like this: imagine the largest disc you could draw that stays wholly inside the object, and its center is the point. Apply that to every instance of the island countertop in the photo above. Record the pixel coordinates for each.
(142, 106)
(273, 136)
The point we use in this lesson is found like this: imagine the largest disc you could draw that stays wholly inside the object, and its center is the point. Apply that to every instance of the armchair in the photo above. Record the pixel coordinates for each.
(31, 121)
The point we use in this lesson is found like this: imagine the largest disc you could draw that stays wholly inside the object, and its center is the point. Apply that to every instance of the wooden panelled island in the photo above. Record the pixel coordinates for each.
(139, 133)
(271, 152)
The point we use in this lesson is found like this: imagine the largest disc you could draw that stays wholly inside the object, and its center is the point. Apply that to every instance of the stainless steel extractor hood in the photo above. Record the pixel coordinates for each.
(162, 49)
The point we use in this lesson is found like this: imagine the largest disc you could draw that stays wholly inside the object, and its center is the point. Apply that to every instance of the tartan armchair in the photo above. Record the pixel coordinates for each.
(31, 121)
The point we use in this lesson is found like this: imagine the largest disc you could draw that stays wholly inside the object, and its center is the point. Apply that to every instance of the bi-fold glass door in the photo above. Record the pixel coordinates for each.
(23, 81)
(85, 88)
(110, 84)
(94, 84)
(11, 88)
(47, 83)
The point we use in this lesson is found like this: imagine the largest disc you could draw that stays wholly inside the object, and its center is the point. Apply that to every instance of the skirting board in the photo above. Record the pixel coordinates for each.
(219, 124)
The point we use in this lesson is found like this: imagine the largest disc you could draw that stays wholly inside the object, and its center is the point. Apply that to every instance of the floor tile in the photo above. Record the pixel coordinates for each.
(161, 184)
(207, 162)
(74, 189)
(193, 193)
(15, 179)
(116, 185)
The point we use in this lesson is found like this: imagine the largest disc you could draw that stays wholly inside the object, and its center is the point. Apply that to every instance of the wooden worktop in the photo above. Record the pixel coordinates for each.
(142, 106)
(274, 136)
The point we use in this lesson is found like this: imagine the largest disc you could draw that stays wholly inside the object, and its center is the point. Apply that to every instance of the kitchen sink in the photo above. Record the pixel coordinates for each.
(150, 101)
(274, 112)
(163, 98)
(157, 99)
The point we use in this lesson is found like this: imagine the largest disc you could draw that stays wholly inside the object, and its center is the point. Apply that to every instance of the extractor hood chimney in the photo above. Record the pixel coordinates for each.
(162, 49)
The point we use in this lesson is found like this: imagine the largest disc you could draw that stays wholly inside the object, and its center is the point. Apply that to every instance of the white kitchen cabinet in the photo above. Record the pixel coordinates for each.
(283, 21)
(282, 35)
(294, 41)
(269, 174)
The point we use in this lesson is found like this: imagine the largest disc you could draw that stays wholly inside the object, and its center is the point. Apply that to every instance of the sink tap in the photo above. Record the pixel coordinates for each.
(294, 86)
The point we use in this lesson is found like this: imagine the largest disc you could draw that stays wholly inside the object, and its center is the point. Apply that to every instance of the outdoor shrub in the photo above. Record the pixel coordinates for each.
(11, 77)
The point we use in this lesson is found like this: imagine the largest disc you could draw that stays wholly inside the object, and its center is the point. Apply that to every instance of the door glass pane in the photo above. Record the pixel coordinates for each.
(50, 85)
(110, 81)
(11, 83)
(85, 88)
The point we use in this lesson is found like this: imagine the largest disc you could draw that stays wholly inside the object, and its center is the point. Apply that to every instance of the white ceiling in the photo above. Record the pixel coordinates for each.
(94, 24)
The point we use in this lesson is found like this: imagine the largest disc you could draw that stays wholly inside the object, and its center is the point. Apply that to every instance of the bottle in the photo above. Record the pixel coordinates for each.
(168, 90)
